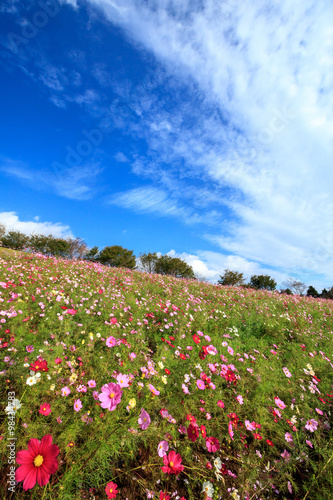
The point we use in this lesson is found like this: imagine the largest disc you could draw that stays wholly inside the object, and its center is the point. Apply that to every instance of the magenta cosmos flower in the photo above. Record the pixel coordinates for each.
(144, 419)
(110, 396)
(38, 462)
(45, 409)
(212, 444)
(172, 463)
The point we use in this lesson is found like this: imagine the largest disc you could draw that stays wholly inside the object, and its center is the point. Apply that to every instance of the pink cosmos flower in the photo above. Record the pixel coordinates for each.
(230, 351)
(95, 395)
(201, 384)
(285, 455)
(311, 425)
(162, 448)
(212, 444)
(240, 399)
(153, 390)
(220, 403)
(30, 348)
(309, 443)
(319, 411)
(211, 349)
(65, 391)
(77, 405)
(144, 419)
(288, 437)
(111, 341)
(91, 383)
(185, 389)
(110, 396)
(132, 355)
(123, 380)
(113, 321)
(279, 403)
(231, 432)
(250, 426)
(45, 409)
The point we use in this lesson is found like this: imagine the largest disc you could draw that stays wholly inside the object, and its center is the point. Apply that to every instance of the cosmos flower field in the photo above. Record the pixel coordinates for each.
(120, 384)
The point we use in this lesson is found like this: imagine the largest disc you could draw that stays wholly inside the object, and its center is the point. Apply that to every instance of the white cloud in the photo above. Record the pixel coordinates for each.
(262, 74)
(12, 223)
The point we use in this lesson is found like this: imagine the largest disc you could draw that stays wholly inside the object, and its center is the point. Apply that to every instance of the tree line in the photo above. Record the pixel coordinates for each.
(117, 256)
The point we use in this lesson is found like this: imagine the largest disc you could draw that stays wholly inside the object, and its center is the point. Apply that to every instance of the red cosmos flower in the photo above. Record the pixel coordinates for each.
(64, 307)
(45, 409)
(196, 338)
(167, 371)
(40, 365)
(193, 432)
(209, 465)
(203, 431)
(191, 418)
(212, 444)
(111, 490)
(268, 441)
(172, 463)
(38, 462)
(164, 495)
(182, 356)
(7, 331)
(100, 291)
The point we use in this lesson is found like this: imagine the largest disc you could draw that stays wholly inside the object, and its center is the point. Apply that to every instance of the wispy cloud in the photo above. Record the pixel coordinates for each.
(259, 75)
(13, 223)
(156, 201)
(75, 183)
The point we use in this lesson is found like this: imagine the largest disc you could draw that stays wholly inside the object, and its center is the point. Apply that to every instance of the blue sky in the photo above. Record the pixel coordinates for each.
(200, 128)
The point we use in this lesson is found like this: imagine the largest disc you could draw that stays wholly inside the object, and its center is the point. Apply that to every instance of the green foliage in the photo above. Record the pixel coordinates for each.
(2, 230)
(262, 282)
(312, 292)
(147, 262)
(117, 256)
(92, 254)
(231, 278)
(15, 240)
(173, 266)
(58, 247)
(327, 294)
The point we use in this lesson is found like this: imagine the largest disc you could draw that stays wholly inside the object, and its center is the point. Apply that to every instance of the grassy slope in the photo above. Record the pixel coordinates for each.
(265, 331)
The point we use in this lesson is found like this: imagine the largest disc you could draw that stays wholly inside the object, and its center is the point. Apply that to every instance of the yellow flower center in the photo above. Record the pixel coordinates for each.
(112, 395)
(38, 460)
(145, 419)
(171, 464)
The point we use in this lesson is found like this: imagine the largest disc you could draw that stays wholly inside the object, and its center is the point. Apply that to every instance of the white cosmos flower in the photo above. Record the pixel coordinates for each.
(31, 381)
(13, 406)
(208, 488)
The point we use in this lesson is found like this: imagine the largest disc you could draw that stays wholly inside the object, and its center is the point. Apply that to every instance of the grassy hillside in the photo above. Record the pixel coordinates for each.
(208, 392)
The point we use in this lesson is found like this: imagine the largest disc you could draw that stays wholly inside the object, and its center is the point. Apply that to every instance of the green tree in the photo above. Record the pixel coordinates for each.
(147, 262)
(174, 266)
(231, 278)
(58, 247)
(262, 282)
(117, 256)
(15, 240)
(287, 291)
(327, 294)
(92, 254)
(2, 231)
(312, 292)
(40, 242)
